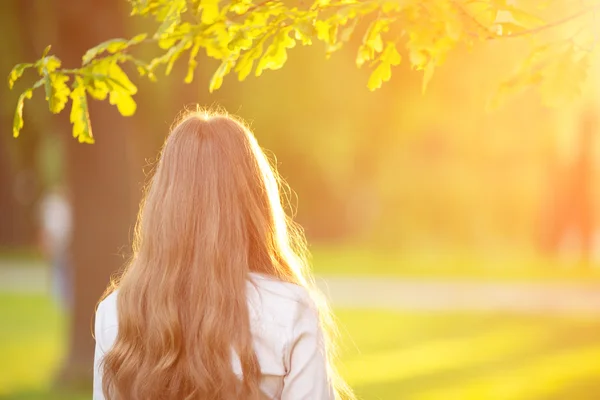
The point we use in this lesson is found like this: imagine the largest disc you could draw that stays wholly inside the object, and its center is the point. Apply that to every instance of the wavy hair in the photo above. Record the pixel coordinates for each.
(211, 214)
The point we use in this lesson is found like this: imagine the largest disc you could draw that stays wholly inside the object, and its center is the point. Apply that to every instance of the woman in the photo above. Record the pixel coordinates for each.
(216, 302)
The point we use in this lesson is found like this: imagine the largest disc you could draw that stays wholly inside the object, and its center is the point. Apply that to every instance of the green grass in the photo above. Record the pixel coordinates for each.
(454, 264)
(31, 345)
(470, 356)
(363, 261)
(385, 355)
(22, 255)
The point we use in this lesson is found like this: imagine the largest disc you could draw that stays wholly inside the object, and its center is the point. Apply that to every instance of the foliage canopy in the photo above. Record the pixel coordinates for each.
(248, 36)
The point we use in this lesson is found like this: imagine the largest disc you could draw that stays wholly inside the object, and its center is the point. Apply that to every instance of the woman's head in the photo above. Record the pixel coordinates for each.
(214, 189)
(212, 213)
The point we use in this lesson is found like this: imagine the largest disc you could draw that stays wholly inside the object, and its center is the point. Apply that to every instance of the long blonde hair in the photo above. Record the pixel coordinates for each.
(212, 213)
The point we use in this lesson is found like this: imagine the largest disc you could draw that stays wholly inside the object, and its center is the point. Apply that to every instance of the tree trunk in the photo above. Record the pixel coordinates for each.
(100, 180)
(19, 186)
(570, 212)
(13, 229)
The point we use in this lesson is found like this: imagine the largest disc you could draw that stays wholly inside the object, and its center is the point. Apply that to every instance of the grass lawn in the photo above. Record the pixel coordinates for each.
(385, 355)
(20, 256)
(362, 261)
(470, 357)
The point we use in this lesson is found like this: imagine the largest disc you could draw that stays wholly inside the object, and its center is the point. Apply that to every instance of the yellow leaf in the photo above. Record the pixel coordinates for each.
(210, 11)
(111, 46)
(18, 119)
(46, 51)
(428, 40)
(16, 73)
(391, 6)
(323, 29)
(482, 11)
(47, 65)
(508, 29)
(333, 33)
(118, 75)
(563, 78)
(527, 74)
(391, 55)
(246, 62)
(381, 74)
(480, 16)
(258, 19)
(454, 28)
(240, 6)
(364, 54)
(216, 45)
(240, 41)
(79, 116)
(344, 37)
(276, 54)
(217, 79)
(524, 19)
(52, 64)
(138, 38)
(57, 91)
(348, 30)
(178, 32)
(376, 43)
(175, 52)
(304, 32)
(121, 90)
(373, 38)
(170, 14)
(124, 102)
(98, 89)
(192, 63)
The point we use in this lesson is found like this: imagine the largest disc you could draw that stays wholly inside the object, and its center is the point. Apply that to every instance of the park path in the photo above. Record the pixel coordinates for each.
(23, 277)
(462, 295)
(402, 294)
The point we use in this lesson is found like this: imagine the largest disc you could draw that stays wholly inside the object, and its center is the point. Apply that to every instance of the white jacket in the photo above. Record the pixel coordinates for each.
(287, 339)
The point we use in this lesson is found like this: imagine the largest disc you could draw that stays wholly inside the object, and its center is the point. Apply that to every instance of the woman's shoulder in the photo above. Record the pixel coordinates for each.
(109, 301)
(281, 302)
(281, 290)
(269, 298)
(106, 312)
(106, 322)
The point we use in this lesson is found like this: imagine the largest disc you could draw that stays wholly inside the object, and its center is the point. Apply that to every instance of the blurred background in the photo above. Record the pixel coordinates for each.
(460, 248)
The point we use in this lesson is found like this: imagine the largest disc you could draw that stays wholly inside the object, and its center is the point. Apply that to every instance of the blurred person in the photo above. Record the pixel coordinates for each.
(55, 238)
(216, 302)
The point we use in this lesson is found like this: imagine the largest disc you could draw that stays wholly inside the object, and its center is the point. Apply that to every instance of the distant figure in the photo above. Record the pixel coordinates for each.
(56, 228)
(217, 301)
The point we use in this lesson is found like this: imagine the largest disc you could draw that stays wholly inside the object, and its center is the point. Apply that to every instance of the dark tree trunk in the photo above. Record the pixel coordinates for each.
(19, 186)
(100, 179)
(14, 231)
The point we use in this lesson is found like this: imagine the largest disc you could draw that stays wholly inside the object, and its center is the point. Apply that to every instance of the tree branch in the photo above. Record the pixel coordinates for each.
(478, 24)
(552, 24)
